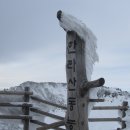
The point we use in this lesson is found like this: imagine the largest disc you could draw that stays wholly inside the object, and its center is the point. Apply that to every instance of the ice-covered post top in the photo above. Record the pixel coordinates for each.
(70, 23)
(80, 57)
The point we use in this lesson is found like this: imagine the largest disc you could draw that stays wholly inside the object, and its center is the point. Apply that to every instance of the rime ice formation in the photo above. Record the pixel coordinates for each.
(70, 23)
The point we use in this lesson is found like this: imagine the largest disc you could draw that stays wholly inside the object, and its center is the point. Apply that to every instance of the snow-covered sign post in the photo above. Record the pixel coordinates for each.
(80, 57)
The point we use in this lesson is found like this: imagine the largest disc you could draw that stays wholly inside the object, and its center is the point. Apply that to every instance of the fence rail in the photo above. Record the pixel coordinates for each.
(48, 103)
(46, 113)
(96, 100)
(23, 117)
(53, 125)
(15, 104)
(110, 108)
(15, 93)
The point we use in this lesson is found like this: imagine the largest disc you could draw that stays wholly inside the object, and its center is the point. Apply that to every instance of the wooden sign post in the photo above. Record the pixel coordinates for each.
(77, 82)
(76, 116)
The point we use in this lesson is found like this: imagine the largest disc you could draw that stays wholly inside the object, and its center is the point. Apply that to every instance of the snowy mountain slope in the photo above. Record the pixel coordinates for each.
(57, 92)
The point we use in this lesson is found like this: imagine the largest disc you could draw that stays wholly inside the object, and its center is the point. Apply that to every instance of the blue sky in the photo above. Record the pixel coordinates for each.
(32, 44)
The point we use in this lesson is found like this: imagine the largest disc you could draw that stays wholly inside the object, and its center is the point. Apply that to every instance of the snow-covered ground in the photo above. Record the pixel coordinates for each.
(56, 92)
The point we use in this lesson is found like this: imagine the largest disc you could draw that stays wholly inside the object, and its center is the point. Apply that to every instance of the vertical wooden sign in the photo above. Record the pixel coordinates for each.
(77, 110)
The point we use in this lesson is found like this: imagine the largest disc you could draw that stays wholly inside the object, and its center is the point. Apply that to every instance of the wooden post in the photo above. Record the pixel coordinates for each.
(77, 82)
(26, 108)
(46, 113)
(125, 104)
(76, 116)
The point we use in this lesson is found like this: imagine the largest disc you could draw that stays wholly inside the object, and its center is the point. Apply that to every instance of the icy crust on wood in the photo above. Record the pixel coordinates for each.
(70, 23)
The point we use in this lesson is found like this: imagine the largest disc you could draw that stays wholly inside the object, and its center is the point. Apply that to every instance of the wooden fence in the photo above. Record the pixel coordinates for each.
(27, 107)
(123, 108)
(62, 123)
(78, 85)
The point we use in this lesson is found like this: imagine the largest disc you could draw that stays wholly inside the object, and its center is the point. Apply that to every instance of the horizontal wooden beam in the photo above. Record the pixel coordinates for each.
(104, 119)
(47, 102)
(43, 124)
(46, 113)
(53, 125)
(91, 84)
(38, 122)
(15, 93)
(24, 117)
(110, 108)
(96, 100)
(15, 104)
(61, 123)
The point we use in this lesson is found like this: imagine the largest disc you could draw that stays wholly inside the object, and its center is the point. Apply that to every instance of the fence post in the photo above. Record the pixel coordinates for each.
(124, 104)
(123, 111)
(26, 108)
